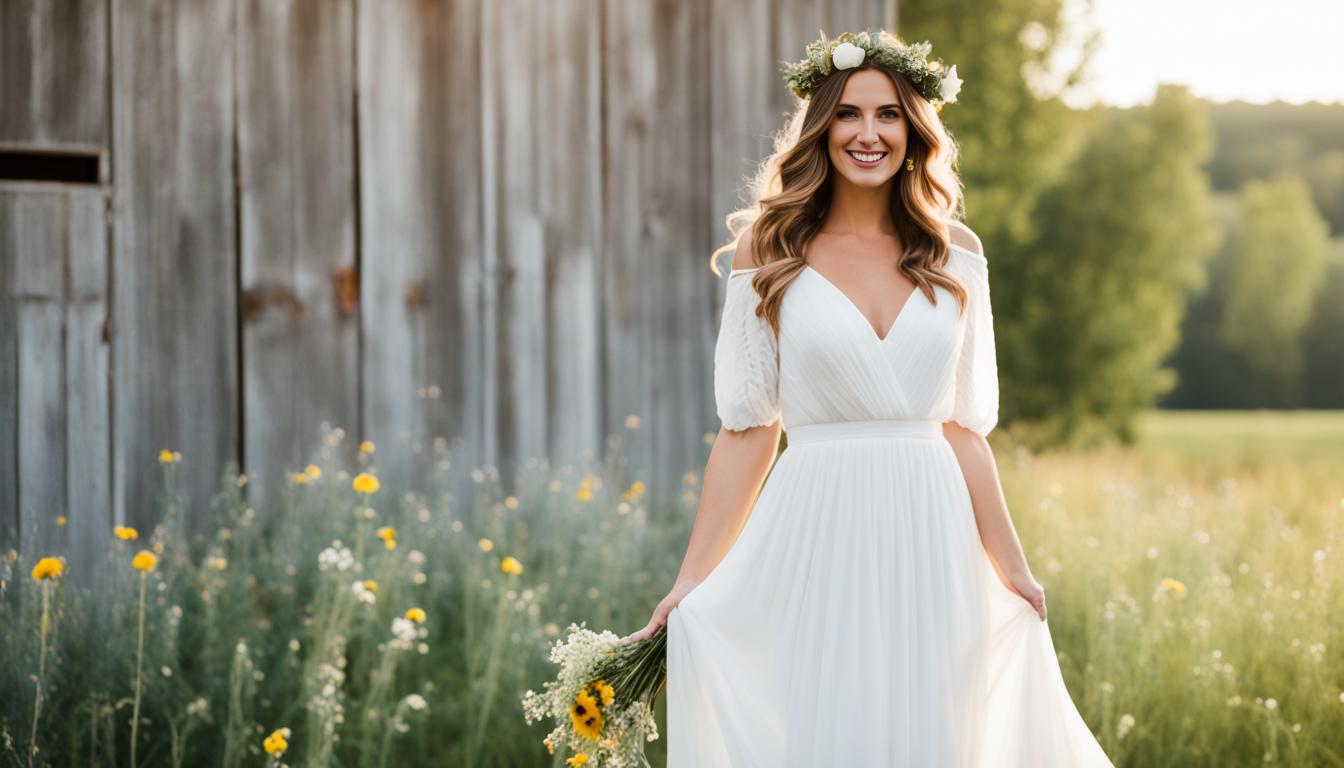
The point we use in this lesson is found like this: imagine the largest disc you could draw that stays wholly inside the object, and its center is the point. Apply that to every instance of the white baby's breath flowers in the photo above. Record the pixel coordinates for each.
(336, 557)
(362, 592)
(415, 701)
(403, 629)
(1126, 723)
(847, 56)
(950, 85)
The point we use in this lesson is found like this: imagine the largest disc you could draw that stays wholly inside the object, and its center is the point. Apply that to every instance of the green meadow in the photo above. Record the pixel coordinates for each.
(1193, 581)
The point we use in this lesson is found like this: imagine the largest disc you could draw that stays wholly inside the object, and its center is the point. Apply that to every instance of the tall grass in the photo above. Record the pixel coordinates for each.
(259, 625)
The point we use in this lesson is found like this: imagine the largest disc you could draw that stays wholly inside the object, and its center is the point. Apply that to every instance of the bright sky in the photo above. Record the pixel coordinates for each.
(1290, 50)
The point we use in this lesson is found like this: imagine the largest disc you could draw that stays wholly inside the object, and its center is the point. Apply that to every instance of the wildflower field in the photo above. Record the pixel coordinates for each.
(1194, 584)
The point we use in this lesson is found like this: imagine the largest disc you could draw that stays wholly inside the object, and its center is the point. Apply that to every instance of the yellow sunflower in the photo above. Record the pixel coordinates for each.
(584, 715)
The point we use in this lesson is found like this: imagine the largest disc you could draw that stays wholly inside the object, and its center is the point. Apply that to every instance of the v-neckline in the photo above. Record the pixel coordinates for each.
(858, 312)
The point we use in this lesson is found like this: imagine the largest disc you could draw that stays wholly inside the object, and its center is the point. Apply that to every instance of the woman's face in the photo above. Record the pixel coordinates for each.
(866, 140)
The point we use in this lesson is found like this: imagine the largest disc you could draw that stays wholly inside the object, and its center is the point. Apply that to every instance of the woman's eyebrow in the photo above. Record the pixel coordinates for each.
(884, 106)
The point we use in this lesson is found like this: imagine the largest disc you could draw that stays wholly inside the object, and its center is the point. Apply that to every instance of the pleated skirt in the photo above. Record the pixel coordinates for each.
(858, 621)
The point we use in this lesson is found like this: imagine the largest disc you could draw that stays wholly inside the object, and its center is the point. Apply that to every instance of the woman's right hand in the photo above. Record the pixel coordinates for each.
(679, 591)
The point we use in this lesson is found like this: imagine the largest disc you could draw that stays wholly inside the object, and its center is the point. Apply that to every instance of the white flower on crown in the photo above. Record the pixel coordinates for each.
(950, 85)
(846, 56)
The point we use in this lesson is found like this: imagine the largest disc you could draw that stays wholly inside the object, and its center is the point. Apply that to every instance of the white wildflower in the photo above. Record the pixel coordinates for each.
(1122, 728)
(950, 85)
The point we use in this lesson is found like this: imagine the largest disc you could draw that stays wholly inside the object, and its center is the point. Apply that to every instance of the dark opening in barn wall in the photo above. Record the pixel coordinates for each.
(68, 167)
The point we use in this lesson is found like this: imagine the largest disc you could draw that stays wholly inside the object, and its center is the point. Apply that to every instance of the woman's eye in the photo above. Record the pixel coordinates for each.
(885, 113)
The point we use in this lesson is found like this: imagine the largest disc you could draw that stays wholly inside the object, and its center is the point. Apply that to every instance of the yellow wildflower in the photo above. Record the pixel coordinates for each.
(487, 545)
(144, 560)
(389, 536)
(550, 748)
(511, 565)
(169, 457)
(1175, 586)
(365, 483)
(125, 533)
(578, 759)
(366, 446)
(635, 490)
(583, 713)
(417, 615)
(218, 563)
(299, 478)
(371, 585)
(277, 742)
(60, 521)
(313, 471)
(48, 568)
(604, 689)
(584, 493)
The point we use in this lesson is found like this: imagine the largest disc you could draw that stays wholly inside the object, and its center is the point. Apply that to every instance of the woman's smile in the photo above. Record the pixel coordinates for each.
(866, 159)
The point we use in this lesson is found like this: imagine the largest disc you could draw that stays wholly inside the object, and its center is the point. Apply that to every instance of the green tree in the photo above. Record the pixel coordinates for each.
(1014, 133)
(1275, 271)
(1095, 305)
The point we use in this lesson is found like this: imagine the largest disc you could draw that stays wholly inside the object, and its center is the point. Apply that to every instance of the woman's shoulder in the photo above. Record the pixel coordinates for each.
(744, 256)
(963, 238)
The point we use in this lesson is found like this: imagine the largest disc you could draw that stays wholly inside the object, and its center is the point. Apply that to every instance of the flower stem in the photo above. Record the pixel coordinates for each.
(41, 668)
(139, 659)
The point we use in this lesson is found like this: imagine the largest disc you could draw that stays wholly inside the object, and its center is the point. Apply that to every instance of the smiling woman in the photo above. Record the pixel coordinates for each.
(871, 605)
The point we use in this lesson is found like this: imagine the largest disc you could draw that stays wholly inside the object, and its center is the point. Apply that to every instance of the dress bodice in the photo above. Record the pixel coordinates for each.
(828, 365)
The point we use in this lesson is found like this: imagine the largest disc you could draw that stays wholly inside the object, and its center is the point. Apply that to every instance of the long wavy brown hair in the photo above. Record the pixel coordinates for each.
(792, 193)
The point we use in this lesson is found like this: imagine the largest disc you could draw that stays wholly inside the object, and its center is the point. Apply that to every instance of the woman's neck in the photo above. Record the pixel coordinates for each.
(859, 211)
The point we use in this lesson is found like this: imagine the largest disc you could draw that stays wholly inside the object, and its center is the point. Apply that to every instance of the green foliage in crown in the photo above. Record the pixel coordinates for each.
(933, 79)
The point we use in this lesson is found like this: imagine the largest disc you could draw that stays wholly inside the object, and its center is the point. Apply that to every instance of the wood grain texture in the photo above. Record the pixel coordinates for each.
(53, 393)
(175, 297)
(423, 278)
(53, 73)
(296, 160)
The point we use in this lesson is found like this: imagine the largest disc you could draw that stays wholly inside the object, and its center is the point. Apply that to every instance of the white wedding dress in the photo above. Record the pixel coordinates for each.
(857, 620)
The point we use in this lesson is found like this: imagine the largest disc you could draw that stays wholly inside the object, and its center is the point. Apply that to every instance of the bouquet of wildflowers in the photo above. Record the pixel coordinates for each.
(603, 698)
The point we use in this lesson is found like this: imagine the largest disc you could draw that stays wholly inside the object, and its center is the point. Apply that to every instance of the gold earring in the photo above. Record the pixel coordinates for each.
(909, 164)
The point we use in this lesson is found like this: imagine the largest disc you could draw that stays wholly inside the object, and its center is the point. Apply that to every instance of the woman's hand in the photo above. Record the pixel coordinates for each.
(1031, 591)
(679, 591)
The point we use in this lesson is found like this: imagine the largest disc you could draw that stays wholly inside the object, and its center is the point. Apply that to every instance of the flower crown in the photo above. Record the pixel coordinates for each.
(934, 81)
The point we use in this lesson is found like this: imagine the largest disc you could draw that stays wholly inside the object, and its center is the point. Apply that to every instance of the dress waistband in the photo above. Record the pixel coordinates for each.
(870, 428)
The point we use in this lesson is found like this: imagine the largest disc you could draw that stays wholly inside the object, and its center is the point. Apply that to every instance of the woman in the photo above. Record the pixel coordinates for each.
(876, 608)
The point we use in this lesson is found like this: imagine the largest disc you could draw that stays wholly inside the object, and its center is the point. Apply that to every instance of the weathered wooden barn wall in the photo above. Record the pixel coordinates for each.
(482, 221)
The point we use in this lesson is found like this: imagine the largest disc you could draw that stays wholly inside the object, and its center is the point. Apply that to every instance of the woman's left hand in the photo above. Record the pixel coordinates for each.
(1030, 590)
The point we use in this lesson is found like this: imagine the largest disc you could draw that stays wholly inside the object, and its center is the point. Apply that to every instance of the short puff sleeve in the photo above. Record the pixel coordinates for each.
(746, 359)
(976, 405)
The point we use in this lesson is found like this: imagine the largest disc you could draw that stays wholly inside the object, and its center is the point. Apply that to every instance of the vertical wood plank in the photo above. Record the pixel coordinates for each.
(175, 359)
(569, 183)
(422, 275)
(37, 244)
(9, 382)
(517, 143)
(88, 485)
(658, 190)
(300, 353)
(53, 72)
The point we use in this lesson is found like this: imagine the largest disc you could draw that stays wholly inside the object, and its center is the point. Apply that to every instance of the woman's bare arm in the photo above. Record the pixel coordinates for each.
(991, 513)
(738, 464)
